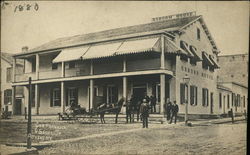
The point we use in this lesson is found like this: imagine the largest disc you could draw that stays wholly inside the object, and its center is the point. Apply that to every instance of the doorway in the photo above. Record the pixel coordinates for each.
(18, 106)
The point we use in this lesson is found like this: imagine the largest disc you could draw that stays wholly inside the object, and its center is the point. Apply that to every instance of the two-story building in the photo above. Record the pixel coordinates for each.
(150, 58)
(6, 89)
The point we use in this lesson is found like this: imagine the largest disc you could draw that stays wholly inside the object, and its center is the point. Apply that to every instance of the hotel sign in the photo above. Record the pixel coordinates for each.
(175, 16)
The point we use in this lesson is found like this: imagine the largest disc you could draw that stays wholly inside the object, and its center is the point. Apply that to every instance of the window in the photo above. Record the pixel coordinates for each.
(220, 100)
(54, 66)
(233, 98)
(238, 100)
(8, 74)
(193, 61)
(33, 95)
(198, 34)
(72, 96)
(193, 95)
(112, 94)
(33, 65)
(7, 96)
(204, 96)
(72, 64)
(244, 101)
(184, 58)
(55, 97)
(182, 93)
(228, 101)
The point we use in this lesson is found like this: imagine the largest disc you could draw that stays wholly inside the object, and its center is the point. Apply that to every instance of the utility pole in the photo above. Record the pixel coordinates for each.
(29, 116)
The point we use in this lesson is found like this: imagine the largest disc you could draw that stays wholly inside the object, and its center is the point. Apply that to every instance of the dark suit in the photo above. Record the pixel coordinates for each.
(168, 107)
(175, 110)
(144, 114)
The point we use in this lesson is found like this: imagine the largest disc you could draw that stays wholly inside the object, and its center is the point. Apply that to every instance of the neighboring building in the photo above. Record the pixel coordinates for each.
(150, 58)
(6, 88)
(233, 74)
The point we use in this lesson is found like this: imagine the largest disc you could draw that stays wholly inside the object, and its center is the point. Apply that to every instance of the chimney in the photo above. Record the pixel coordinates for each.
(25, 49)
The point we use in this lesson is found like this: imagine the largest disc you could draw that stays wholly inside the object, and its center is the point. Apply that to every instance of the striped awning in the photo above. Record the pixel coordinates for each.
(206, 58)
(184, 46)
(102, 50)
(70, 54)
(138, 46)
(194, 52)
(171, 47)
(214, 61)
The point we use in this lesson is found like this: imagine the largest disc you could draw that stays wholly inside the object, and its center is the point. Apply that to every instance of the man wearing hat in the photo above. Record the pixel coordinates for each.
(175, 110)
(144, 113)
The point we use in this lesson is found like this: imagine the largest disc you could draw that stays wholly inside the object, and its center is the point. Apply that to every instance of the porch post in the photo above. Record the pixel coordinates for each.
(162, 83)
(124, 92)
(162, 52)
(37, 98)
(14, 70)
(63, 69)
(62, 97)
(13, 99)
(37, 66)
(91, 93)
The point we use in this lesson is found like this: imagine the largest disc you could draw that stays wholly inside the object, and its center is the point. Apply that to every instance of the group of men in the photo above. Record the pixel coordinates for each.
(171, 111)
(148, 103)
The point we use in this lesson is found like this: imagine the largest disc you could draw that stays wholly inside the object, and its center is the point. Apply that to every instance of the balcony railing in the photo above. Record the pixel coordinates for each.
(25, 77)
(49, 74)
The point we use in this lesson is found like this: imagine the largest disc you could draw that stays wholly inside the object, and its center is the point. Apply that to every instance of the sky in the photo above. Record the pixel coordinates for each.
(228, 22)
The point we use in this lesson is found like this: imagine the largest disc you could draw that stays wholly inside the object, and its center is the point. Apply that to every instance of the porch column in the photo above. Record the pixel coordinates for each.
(124, 92)
(63, 69)
(91, 93)
(162, 52)
(162, 83)
(91, 67)
(62, 97)
(13, 99)
(37, 105)
(37, 66)
(14, 70)
(124, 64)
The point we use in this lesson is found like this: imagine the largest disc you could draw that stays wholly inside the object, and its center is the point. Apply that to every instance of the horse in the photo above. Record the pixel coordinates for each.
(116, 109)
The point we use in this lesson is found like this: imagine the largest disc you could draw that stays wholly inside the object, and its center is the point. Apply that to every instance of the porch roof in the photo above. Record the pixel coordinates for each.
(71, 54)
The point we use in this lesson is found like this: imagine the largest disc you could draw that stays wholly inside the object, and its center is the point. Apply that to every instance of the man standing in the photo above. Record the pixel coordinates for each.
(175, 110)
(153, 103)
(144, 113)
(168, 106)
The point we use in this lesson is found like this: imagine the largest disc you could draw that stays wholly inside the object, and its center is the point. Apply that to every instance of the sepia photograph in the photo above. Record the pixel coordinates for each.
(124, 77)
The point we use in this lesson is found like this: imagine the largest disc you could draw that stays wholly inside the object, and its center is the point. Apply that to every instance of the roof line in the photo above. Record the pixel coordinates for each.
(232, 55)
(235, 84)
(207, 32)
(163, 31)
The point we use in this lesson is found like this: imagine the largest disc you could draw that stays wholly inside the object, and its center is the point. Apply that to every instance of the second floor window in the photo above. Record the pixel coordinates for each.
(8, 74)
(72, 64)
(228, 101)
(198, 34)
(204, 96)
(54, 66)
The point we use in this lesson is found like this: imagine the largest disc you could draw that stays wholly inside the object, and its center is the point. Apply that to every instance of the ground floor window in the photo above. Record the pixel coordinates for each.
(244, 102)
(72, 96)
(238, 100)
(8, 96)
(228, 101)
(204, 96)
(112, 94)
(220, 100)
(182, 93)
(55, 97)
(193, 95)
(233, 99)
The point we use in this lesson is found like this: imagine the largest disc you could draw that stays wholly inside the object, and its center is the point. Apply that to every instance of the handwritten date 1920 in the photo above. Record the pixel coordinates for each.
(26, 7)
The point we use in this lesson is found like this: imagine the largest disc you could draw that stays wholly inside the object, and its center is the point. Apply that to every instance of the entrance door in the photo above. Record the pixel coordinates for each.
(139, 93)
(18, 106)
(212, 103)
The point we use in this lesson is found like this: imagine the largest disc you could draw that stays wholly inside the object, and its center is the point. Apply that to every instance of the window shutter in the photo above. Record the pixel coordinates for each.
(196, 97)
(191, 95)
(51, 98)
(207, 97)
(76, 95)
(182, 93)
